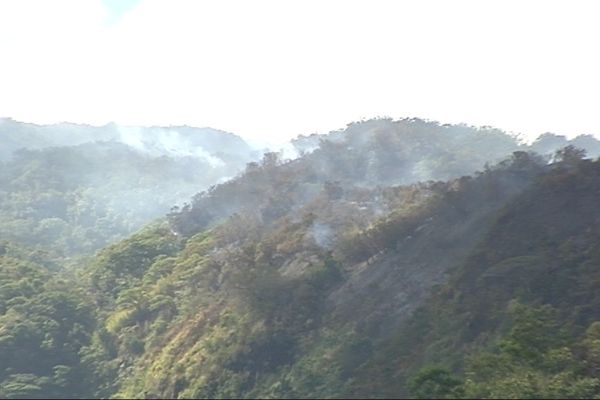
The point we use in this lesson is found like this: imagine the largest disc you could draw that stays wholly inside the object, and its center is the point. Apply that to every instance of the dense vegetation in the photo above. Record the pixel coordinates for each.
(395, 258)
(45, 321)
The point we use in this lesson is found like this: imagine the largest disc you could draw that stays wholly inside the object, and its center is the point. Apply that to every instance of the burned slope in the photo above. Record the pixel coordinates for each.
(408, 253)
(525, 294)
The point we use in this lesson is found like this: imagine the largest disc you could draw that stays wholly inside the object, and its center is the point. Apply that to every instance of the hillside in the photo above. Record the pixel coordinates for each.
(379, 152)
(391, 259)
(72, 189)
(155, 140)
(259, 304)
(519, 316)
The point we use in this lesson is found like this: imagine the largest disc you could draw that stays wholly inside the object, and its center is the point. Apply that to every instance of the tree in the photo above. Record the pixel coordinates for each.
(434, 382)
(570, 155)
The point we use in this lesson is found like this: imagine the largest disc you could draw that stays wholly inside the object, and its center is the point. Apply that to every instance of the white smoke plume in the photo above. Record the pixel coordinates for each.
(167, 142)
(322, 234)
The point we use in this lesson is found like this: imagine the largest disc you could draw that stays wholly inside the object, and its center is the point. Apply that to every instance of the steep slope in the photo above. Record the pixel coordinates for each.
(518, 316)
(261, 308)
(378, 152)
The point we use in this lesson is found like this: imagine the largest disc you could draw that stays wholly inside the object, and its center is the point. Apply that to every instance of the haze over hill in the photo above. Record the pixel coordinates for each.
(70, 188)
(156, 141)
(391, 258)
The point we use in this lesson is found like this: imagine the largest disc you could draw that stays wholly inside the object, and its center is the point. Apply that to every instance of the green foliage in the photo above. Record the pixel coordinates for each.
(120, 266)
(45, 321)
(435, 383)
(532, 361)
(534, 332)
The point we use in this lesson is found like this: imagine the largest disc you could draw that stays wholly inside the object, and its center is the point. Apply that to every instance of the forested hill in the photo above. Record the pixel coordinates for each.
(71, 189)
(391, 259)
(379, 152)
(210, 143)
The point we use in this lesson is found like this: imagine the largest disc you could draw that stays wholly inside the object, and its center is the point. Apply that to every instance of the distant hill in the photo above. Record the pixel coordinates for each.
(171, 141)
(74, 188)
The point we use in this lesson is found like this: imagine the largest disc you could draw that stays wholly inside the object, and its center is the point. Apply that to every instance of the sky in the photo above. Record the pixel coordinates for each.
(270, 69)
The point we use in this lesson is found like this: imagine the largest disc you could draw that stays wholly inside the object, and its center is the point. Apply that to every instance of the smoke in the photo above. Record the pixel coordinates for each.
(165, 142)
(422, 172)
(223, 179)
(288, 151)
(322, 234)
(132, 136)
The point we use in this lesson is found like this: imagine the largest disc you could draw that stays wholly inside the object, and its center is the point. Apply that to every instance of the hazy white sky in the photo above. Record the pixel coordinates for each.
(275, 69)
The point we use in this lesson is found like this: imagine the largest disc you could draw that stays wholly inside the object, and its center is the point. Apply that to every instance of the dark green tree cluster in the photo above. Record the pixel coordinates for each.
(45, 321)
(535, 359)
